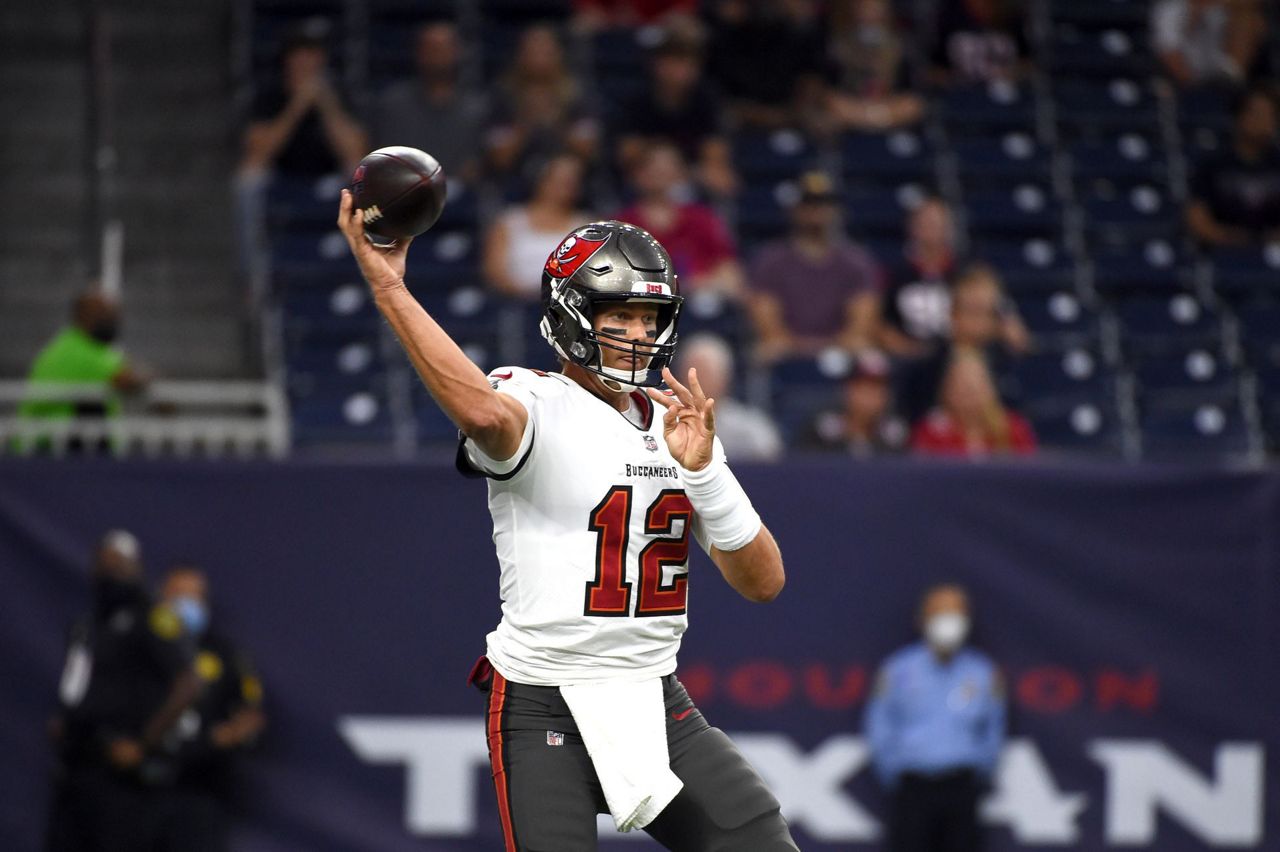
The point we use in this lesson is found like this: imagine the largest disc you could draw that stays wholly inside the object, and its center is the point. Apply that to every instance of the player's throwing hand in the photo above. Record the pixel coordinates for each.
(382, 266)
(690, 422)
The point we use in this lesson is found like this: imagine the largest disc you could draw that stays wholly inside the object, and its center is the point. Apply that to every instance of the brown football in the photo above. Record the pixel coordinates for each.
(401, 191)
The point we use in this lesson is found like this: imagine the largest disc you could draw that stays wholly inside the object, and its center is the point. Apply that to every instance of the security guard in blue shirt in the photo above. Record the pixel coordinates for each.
(935, 726)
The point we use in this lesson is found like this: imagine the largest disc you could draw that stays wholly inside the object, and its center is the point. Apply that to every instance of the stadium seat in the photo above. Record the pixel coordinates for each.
(987, 109)
(1155, 325)
(1026, 210)
(443, 260)
(303, 205)
(800, 387)
(1045, 381)
(709, 313)
(1180, 378)
(1259, 329)
(339, 304)
(1133, 214)
(311, 256)
(1153, 266)
(762, 211)
(879, 212)
(1249, 273)
(1079, 426)
(903, 156)
(1208, 432)
(1059, 320)
(1027, 266)
(1123, 160)
(1104, 107)
(767, 157)
(1099, 13)
(1006, 160)
(1111, 51)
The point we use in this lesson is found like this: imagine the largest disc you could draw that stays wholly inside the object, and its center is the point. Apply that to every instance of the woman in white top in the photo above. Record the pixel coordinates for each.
(519, 241)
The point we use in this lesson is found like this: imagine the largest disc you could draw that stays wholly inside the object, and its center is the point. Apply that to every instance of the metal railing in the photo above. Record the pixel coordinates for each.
(167, 418)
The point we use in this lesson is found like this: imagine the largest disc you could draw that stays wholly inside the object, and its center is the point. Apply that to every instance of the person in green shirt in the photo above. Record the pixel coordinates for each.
(81, 353)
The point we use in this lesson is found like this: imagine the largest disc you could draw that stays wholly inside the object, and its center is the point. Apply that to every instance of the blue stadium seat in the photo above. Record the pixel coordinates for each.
(1059, 320)
(771, 156)
(443, 259)
(1009, 159)
(880, 211)
(1180, 378)
(303, 205)
(1079, 426)
(311, 256)
(1099, 13)
(1026, 210)
(1046, 381)
(1248, 273)
(762, 211)
(1260, 333)
(351, 414)
(711, 314)
(1134, 214)
(347, 301)
(1124, 160)
(1152, 324)
(988, 109)
(1026, 266)
(1103, 107)
(1208, 432)
(903, 156)
(1155, 266)
(800, 387)
(1090, 51)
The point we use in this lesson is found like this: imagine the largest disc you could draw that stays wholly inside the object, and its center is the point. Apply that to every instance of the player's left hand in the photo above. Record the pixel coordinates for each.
(690, 422)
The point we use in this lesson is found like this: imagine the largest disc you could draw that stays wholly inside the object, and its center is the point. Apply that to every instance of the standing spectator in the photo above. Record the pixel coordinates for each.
(936, 724)
(865, 424)
(701, 248)
(748, 434)
(433, 111)
(539, 110)
(970, 421)
(1207, 41)
(302, 127)
(127, 679)
(814, 289)
(81, 354)
(679, 106)
(519, 242)
(917, 300)
(1235, 197)
(983, 320)
(769, 58)
(980, 41)
(224, 721)
(870, 94)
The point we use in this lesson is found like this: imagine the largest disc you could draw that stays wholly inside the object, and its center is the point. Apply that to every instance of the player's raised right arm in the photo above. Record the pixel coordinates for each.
(494, 421)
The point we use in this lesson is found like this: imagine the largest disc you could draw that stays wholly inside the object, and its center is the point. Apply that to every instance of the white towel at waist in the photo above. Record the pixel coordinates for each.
(624, 727)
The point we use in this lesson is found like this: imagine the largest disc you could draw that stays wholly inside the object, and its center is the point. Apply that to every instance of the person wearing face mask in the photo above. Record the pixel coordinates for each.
(224, 721)
(127, 679)
(935, 725)
(83, 353)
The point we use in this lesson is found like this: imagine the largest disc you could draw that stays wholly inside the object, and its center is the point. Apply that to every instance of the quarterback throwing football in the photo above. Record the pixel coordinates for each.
(592, 516)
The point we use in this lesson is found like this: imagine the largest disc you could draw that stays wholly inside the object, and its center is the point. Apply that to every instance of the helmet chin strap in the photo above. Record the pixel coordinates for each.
(617, 380)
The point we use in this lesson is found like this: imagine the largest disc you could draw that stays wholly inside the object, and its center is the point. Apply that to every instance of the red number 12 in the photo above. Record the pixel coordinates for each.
(609, 594)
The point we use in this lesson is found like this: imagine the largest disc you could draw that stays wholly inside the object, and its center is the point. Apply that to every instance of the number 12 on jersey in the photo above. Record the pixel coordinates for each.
(609, 594)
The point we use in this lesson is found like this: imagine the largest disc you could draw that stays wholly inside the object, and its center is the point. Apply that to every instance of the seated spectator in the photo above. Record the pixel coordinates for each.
(814, 289)
(769, 59)
(748, 434)
(679, 106)
(539, 110)
(917, 299)
(302, 127)
(868, 49)
(433, 111)
(864, 425)
(1235, 197)
(982, 320)
(519, 242)
(979, 41)
(1207, 41)
(593, 15)
(700, 245)
(80, 354)
(970, 420)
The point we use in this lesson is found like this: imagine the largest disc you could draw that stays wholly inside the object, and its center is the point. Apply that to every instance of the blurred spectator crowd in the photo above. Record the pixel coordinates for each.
(960, 227)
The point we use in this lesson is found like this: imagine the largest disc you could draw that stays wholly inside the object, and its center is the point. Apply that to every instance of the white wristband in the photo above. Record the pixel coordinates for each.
(726, 513)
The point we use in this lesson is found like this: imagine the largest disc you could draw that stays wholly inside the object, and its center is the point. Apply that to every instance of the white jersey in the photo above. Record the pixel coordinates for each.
(592, 531)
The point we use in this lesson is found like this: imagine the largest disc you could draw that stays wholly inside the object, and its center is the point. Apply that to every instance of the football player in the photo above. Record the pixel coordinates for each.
(592, 515)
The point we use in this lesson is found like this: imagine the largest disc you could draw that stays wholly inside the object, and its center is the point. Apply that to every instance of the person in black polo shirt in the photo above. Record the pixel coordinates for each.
(1235, 197)
(224, 721)
(128, 678)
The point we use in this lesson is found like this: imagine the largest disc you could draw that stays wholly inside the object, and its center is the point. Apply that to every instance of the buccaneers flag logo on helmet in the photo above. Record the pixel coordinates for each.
(573, 252)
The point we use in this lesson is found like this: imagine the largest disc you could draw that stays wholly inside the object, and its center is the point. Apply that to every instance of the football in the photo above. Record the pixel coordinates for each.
(400, 190)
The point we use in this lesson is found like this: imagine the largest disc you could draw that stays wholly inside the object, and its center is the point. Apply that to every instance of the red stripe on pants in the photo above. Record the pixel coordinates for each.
(498, 698)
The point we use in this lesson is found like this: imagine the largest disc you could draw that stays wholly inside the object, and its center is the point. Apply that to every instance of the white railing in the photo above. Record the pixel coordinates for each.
(183, 418)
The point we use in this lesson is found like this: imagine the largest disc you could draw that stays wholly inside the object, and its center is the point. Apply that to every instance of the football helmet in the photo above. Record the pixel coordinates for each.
(602, 263)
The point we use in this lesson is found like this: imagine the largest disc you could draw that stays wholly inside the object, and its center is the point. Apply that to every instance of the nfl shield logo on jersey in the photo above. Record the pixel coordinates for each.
(650, 444)
(555, 738)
